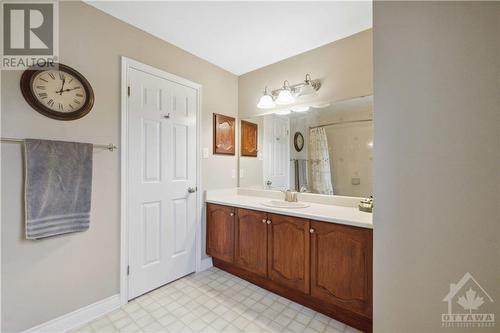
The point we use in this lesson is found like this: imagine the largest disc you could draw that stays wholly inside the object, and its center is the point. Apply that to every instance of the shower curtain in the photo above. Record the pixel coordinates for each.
(321, 179)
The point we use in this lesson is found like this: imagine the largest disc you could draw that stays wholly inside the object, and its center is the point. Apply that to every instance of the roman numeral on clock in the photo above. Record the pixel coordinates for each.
(50, 103)
(42, 95)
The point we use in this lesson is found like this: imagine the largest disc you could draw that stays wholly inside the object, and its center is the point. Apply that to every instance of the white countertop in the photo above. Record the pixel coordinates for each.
(316, 211)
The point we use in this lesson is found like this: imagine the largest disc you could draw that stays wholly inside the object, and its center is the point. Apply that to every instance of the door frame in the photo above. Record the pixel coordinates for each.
(126, 64)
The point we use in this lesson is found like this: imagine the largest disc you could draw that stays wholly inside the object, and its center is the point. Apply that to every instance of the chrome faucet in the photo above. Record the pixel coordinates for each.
(290, 196)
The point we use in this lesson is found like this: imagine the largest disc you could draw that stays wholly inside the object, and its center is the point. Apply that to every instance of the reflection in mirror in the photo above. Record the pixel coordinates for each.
(324, 150)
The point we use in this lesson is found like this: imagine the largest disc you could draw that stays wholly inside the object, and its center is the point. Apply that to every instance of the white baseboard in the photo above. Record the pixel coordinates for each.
(205, 264)
(79, 317)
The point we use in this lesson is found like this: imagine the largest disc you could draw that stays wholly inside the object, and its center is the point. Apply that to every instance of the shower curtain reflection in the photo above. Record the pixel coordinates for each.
(319, 159)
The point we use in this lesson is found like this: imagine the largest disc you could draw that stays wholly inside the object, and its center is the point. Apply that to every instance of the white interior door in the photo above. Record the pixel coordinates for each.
(162, 167)
(276, 152)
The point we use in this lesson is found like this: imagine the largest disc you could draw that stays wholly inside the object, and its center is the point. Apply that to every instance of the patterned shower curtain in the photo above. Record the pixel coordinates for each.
(321, 179)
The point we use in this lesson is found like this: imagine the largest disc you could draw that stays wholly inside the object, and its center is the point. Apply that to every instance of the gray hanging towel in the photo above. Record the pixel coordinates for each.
(58, 187)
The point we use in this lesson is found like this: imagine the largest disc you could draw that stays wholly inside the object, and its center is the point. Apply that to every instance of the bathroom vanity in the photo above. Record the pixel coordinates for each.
(319, 256)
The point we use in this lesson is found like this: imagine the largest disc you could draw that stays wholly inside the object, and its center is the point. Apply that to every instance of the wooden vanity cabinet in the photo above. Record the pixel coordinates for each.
(341, 266)
(324, 266)
(251, 241)
(220, 232)
(288, 251)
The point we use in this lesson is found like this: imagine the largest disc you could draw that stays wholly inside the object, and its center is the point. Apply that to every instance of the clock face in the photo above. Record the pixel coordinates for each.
(59, 91)
(298, 141)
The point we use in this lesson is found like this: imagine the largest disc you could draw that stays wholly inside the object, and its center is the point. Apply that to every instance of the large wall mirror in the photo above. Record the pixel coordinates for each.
(325, 150)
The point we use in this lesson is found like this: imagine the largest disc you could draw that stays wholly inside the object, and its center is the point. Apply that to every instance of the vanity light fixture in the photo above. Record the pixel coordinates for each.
(283, 112)
(308, 88)
(285, 95)
(266, 101)
(322, 105)
(301, 108)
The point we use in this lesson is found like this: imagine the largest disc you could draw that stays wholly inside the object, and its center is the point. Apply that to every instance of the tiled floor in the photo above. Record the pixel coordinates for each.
(213, 301)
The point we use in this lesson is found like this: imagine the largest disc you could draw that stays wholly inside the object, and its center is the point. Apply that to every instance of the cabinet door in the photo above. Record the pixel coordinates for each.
(288, 251)
(341, 266)
(251, 241)
(220, 232)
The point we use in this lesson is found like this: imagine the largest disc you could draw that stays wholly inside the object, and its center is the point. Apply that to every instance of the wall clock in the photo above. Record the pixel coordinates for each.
(298, 141)
(60, 93)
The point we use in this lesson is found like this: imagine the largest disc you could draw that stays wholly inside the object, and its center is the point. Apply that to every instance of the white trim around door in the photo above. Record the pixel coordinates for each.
(127, 64)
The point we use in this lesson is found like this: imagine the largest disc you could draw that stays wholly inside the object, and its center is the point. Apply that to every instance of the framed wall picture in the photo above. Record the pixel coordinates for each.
(224, 134)
(248, 139)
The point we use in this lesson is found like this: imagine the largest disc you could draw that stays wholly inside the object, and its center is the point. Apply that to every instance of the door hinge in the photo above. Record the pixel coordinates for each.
(128, 269)
(128, 90)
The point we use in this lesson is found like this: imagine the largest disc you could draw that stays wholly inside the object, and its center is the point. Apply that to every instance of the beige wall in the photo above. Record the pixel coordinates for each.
(437, 158)
(45, 279)
(345, 68)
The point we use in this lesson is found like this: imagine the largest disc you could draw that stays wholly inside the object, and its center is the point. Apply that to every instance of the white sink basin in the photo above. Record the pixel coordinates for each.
(284, 204)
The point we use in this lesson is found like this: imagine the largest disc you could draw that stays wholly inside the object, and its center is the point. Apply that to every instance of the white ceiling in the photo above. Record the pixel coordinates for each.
(243, 36)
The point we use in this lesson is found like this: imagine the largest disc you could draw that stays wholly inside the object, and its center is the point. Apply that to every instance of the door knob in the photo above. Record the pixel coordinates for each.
(311, 231)
(268, 221)
(231, 214)
(191, 189)
(264, 220)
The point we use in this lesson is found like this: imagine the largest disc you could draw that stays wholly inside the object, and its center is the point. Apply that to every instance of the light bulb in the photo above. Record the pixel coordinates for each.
(266, 101)
(285, 97)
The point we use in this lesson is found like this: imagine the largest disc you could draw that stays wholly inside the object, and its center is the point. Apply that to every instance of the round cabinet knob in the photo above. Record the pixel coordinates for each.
(264, 220)
(311, 231)
(268, 221)
(231, 214)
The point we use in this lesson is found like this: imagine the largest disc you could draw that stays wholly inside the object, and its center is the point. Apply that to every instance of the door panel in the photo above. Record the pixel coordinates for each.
(288, 251)
(180, 152)
(251, 241)
(220, 232)
(162, 165)
(276, 167)
(180, 207)
(341, 271)
(151, 221)
(152, 160)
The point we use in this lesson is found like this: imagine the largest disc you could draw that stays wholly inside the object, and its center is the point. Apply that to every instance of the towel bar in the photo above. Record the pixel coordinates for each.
(110, 146)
